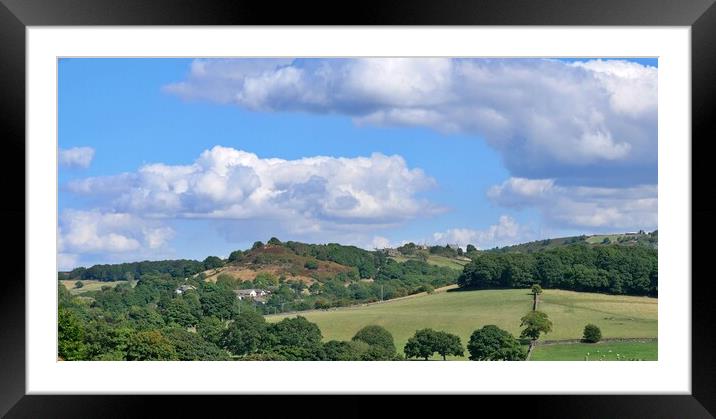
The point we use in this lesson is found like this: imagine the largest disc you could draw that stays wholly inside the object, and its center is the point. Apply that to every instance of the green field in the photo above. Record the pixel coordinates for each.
(602, 351)
(461, 312)
(436, 260)
(89, 285)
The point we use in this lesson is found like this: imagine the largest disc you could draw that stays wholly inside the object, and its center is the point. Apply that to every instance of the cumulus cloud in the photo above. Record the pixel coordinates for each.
(593, 121)
(629, 208)
(507, 231)
(379, 242)
(96, 232)
(309, 194)
(80, 157)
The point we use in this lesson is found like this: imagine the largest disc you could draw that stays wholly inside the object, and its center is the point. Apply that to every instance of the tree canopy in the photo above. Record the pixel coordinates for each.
(490, 343)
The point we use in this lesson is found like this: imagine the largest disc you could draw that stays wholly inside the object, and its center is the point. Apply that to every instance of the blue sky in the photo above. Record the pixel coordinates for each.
(183, 158)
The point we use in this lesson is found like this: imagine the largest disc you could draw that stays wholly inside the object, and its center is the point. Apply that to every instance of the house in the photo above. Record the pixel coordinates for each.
(251, 293)
(184, 288)
(391, 252)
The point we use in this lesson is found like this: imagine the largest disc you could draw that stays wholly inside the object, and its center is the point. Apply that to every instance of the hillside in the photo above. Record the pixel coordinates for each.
(280, 261)
(641, 238)
(461, 312)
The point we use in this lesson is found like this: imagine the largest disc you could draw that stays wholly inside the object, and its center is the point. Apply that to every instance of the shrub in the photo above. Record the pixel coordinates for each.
(79, 284)
(592, 334)
(311, 264)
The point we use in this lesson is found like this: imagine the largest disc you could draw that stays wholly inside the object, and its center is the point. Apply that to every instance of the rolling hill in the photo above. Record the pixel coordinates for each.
(461, 312)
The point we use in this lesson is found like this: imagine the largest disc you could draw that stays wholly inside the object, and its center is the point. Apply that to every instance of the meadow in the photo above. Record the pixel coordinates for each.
(602, 351)
(461, 312)
(89, 285)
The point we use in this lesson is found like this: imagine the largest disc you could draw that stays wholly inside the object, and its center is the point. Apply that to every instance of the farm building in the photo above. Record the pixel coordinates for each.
(184, 288)
(251, 293)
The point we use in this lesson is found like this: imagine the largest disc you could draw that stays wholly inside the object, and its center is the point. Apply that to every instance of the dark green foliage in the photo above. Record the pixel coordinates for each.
(311, 264)
(535, 323)
(150, 345)
(79, 284)
(615, 269)
(257, 245)
(70, 336)
(345, 351)
(191, 347)
(592, 334)
(421, 345)
(107, 341)
(448, 344)
(470, 248)
(118, 272)
(63, 296)
(295, 339)
(490, 343)
(536, 289)
(379, 339)
(236, 256)
(246, 334)
(218, 301)
(446, 251)
(211, 329)
(178, 311)
(426, 342)
(408, 249)
(274, 241)
(213, 262)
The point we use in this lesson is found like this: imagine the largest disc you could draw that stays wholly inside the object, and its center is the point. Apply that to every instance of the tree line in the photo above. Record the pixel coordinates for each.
(613, 269)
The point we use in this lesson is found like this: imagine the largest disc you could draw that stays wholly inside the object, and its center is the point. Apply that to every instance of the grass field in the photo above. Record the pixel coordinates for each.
(461, 312)
(437, 260)
(89, 285)
(602, 351)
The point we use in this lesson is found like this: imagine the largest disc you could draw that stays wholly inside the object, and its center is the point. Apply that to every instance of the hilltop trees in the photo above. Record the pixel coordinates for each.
(213, 262)
(490, 343)
(615, 269)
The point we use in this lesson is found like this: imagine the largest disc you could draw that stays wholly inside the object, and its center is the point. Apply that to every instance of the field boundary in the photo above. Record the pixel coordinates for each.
(572, 341)
(352, 306)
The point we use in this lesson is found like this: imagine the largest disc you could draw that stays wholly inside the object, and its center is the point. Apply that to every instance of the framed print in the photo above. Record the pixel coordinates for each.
(385, 202)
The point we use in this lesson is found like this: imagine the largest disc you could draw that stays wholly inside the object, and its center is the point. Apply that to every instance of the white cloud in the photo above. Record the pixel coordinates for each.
(379, 242)
(307, 194)
(506, 232)
(593, 120)
(96, 232)
(632, 208)
(76, 157)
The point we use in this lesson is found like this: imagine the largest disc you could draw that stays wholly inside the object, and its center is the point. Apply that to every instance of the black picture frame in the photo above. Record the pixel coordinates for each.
(16, 15)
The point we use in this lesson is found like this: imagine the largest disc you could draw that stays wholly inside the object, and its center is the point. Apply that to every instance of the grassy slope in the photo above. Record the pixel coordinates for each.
(89, 285)
(646, 351)
(441, 261)
(462, 312)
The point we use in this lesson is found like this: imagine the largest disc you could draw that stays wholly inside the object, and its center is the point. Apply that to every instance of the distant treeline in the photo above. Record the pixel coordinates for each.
(612, 269)
(135, 270)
